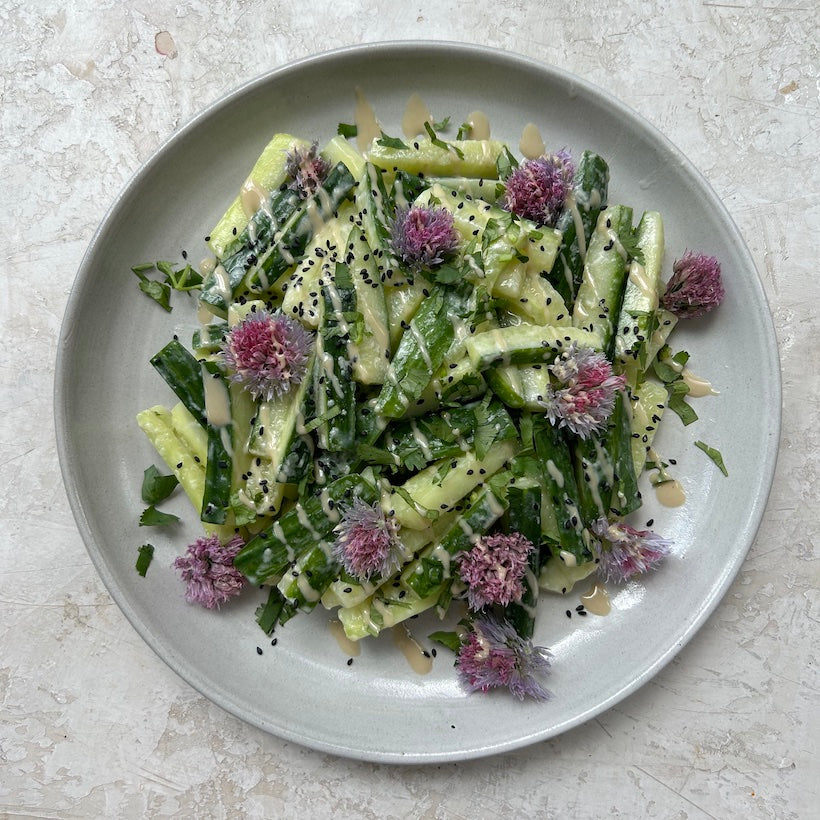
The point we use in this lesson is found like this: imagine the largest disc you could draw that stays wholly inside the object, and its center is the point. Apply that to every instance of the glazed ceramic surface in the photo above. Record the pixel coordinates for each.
(303, 689)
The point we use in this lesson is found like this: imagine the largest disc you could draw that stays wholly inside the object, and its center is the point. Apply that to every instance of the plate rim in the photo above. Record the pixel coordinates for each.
(717, 590)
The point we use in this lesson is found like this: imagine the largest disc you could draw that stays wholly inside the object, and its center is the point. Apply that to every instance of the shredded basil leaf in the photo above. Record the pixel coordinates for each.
(267, 614)
(678, 390)
(505, 164)
(714, 454)
(391, 142)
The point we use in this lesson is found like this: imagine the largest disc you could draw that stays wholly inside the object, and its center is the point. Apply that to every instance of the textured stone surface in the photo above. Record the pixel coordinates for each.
(93, 723)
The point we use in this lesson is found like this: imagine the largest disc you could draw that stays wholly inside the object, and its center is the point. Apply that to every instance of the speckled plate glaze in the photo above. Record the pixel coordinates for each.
(302, 689)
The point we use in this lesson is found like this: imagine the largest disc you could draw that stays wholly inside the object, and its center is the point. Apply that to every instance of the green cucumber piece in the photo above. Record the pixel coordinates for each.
(598, 303)
(267, 174)
(525, 344)
(441, 486)
(425, 575)
(577, 222)
(466, 158)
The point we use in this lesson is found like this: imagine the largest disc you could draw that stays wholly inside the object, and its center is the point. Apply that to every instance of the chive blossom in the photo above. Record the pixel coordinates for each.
(494, 568)
(267, 353)
(695, 287)
(423, 237)
(494, 655)
(537, 189)
(623, 551)
(367, 542)
(587, 387)
(207, 569)
(306, 169)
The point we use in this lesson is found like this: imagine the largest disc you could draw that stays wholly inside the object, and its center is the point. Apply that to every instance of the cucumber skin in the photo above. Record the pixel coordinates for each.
(524, 344)
(426, 575)
(590, 189)
(267, 555)
(524, 516)
(597, 305)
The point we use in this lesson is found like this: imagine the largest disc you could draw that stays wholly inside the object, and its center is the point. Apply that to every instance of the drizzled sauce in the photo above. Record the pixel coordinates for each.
(568, 558)
(415, 115)
(207, 265)
(351, 648)
(252, 197)
(531, 144)
(479, 125)
(698, 387)
(420, 661)
(596, 600)
(670, 493)
(367, 126)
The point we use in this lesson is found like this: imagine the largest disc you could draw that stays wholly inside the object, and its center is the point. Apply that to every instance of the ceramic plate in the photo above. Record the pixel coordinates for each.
(302, 689)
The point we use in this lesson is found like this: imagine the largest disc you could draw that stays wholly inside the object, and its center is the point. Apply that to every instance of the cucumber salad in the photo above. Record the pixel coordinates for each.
(425, 375)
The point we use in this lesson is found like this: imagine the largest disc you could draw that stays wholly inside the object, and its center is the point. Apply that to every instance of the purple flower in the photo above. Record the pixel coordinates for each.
(695, 287)
(367, 542)
(538, 188)
(585, 398)
(307, 169)
(623, 551)
(494, 568)
(267, 352)
(207, 568)
(423, 237)
(495, 655)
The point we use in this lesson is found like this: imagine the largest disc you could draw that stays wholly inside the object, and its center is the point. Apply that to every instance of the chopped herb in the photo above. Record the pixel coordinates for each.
(505, 164)
(677, 402)
(243, 513)
(447, 146)
(267, 614)
(146, 555)
(714, 454)
(158, 291)
(442, 125)
(447, 273)
(449, 639)
(152, 517)
(184, 279)
(346, 130)
(391, 142)
(157, 487)
(485, 429)
(628, 237)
